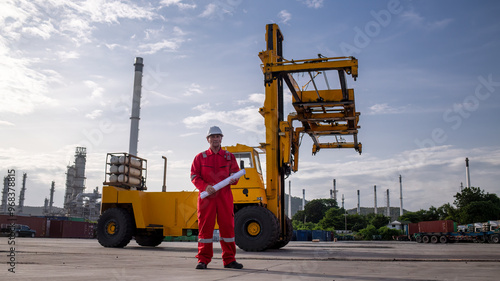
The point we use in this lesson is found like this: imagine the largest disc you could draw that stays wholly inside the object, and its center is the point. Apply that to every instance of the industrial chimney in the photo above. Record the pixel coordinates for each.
(289, 199)
(303, 199)
(375, 195)
(400, 195)
(21, 195)
(359, 207)
(388, 204)
(51, 202)
(335, 190)
(467, 175)
(136, 107)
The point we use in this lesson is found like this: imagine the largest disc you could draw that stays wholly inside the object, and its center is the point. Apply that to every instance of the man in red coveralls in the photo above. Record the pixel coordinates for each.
(210, 167)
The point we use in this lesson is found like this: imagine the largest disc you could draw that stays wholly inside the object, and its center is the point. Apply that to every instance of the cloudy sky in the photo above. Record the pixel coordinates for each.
(428, 89)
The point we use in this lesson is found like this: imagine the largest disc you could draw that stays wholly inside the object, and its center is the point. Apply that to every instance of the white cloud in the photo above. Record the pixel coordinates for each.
(178, 31)
(26, 82)
(75, 20)
(97, 91)
(284, 16)
(219, 9)
(193, 89)
(254, 98)
(257, 98)
(152, 33)
(112, 11)
(209, 11)
(152, 48)
(43, 29)
(188, 135)
(247, 118)
(77, 29)
(94, 114)
(416, 20)
(22, 87)
(412, 17)
(439, 24)
(6, 123)
(178, 3)
(203, 107)
(111, 46)
(316, 4)
(384, 108)
(65, 56)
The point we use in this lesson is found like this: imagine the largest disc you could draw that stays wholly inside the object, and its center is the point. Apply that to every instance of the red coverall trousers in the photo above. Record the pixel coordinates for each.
(209, 168)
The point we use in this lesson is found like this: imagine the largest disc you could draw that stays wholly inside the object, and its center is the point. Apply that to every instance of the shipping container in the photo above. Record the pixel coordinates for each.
(412, 228)
(329, 236)
(322, 235)
(71, 229)
(436, 226)
(36, 223)
(445, 231)
(304, 235)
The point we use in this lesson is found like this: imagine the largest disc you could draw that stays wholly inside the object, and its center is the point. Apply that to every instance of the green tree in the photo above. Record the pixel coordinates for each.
(379, 221)
(388, 233)
(333, 219)
(299, 225)
(421, 215)
(473, 205)
(479, 211)
(316, 209)
(448, 212)
(432, 214)
(356, 222)
(468, 195)
(368, 232)
(299, 216)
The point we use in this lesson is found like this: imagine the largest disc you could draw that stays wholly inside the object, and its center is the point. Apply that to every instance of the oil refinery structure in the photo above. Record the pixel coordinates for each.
(77, 203)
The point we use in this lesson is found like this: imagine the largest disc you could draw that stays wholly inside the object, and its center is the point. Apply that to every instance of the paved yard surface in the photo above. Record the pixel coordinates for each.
(82, 259)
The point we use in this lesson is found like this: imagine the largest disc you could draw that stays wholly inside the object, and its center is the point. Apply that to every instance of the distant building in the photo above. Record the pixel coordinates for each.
(76, 202)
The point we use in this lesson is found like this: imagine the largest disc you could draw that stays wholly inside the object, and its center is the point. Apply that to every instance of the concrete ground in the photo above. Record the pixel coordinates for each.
(85, 259)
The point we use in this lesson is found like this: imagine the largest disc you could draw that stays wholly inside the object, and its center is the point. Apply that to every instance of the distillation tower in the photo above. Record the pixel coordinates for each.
(76, 202)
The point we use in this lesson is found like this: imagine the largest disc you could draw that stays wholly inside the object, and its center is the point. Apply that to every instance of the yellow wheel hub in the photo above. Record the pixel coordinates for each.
(253, 229)
(111, 228)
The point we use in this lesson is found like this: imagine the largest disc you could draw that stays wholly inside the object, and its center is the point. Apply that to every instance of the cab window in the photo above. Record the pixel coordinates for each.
(257, 163)
(245, 159)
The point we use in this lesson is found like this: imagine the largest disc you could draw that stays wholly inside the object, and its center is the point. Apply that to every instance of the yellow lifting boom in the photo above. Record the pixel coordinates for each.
(321, 112)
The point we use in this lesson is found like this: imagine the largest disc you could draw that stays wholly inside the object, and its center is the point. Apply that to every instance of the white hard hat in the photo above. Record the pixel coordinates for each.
(214, 130)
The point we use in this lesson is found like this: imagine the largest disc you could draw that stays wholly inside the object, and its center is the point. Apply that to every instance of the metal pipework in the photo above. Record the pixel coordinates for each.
(164, 188)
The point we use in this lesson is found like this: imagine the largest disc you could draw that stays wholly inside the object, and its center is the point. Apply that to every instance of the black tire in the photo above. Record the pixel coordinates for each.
(443, 239)
(278, 244)
(115, 228)
(434, 239)
(151, 240)
(426, 239)
(495, 238)
(256, 228)
(418, 239)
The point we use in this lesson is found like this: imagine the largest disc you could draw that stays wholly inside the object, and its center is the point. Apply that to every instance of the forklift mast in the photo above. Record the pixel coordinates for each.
(321, 112)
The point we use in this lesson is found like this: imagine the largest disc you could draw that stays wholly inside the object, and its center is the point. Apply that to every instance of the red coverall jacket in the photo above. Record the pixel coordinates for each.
(209, 168)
